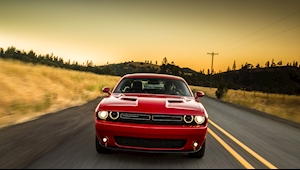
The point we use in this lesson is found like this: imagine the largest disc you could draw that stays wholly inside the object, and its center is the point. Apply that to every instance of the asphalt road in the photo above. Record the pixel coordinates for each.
(237, 139)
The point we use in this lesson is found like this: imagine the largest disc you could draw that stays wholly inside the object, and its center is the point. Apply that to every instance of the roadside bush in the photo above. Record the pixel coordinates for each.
(221, 91)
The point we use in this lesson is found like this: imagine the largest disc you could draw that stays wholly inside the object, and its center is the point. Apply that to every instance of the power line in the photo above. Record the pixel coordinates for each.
(261, 29)
(267, 37)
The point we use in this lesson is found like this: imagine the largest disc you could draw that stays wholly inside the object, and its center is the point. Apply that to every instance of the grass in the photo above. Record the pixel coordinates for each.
(283, 106)
(29, 91)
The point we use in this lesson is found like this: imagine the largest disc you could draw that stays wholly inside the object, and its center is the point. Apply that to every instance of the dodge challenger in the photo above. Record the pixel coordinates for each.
(148, 112)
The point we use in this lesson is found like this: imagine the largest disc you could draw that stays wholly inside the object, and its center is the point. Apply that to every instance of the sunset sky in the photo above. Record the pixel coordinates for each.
(183, 31)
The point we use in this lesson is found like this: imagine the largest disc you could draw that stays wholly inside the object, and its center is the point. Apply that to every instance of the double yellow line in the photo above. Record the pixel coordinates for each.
(234, 153)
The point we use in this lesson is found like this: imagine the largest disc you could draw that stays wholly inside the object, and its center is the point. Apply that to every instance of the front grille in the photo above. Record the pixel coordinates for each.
(131, 116)
(166, 118)
(158, 119)
(150, 143)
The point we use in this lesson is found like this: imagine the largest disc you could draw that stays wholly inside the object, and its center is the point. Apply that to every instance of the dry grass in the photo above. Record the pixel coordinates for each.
(28, 91)
(284, 106)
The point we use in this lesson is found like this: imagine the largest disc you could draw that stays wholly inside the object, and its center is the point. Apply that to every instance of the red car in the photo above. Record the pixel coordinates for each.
(151, 113)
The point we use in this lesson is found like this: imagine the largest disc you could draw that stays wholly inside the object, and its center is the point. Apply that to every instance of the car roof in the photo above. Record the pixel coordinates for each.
(152, 75)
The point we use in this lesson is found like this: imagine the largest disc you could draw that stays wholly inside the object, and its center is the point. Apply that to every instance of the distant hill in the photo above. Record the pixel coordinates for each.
(281, 79)
(188, 70)
(192, 77)
(121, 69)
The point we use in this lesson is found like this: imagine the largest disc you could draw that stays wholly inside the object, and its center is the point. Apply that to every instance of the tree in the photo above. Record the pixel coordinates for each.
(234, 66)
(258, 66)
(247, 66)
(267, 64)
(68, 62)
(31, 54)
(273, 63)
(89, 63)
(251, 66)
(10, 50)
(1, 50)
(279, 63)
(295, 63)
(61, 61)
(75, 63)
(228, 68)
(165, 61)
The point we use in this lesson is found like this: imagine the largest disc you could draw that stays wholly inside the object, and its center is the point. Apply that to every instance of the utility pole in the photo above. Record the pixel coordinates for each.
(212, 60)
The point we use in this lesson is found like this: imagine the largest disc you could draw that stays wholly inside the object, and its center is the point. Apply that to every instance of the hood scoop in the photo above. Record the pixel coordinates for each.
(175, 101)
(129, 98)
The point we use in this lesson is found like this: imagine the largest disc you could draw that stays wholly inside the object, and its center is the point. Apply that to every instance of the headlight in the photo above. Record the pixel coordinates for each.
(102, 114)
(114, 115)
(199, 119)
(188, 118)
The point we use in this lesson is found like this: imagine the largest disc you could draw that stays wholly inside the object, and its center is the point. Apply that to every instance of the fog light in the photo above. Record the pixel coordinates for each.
(195, 144)
(104, 139)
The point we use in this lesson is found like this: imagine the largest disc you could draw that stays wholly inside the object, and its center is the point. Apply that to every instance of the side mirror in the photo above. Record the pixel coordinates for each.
(106, 89)
(199, 94)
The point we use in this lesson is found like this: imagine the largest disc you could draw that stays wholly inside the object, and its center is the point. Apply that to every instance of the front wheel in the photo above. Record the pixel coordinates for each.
(200, 153)
(99, 148)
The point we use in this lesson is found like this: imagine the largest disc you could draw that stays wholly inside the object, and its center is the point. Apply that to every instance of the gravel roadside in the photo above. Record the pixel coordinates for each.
(24, 143)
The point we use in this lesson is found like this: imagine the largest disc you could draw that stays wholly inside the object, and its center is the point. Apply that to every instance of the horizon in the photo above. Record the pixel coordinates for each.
(158, 64)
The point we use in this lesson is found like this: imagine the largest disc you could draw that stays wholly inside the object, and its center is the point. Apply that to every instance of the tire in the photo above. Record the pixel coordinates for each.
(200, 153)
(99, 148)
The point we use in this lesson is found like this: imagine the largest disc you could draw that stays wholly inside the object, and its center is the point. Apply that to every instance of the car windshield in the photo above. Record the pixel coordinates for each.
(153, 86)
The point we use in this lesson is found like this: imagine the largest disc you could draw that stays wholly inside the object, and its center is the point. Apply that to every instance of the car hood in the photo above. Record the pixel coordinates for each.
(152, 104)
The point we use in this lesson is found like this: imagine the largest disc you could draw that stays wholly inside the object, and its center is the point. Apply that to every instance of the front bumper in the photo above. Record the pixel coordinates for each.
(140, 137)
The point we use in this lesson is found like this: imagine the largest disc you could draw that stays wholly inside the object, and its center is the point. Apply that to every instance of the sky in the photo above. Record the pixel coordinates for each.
(183, 31)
